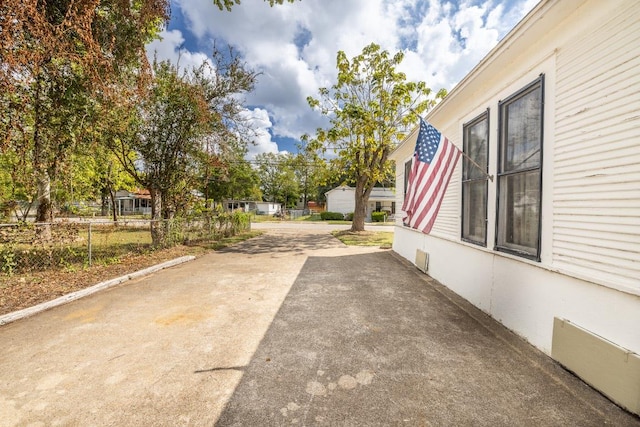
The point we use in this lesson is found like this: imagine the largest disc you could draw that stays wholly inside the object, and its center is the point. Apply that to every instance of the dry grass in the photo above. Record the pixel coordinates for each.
(384, 239)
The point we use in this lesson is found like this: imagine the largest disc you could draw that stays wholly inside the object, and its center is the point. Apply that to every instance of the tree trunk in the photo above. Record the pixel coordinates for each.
(104, 203)
(44, 213)
(360, 211)
(108, 194)
(157, 227)
(114, 209)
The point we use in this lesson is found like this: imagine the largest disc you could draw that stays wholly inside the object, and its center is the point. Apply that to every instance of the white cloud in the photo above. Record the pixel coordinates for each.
(261, 141)
(169, 47)
(442, 41)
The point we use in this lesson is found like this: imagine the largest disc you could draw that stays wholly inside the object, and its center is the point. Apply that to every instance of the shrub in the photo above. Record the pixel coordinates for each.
(378, 216)
(349, 216)
(328, 216)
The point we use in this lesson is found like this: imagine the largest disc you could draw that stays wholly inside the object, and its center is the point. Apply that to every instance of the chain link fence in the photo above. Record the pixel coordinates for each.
(31, 247)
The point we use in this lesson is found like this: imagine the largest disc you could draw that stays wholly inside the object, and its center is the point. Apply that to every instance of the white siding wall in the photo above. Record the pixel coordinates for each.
(589, 53)
(524, 297)
(596, 190)
(449, 217)
(341, 201)
(268, 208)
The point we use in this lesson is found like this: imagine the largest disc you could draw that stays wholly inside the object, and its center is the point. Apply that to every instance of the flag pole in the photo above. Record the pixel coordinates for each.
(463, 154)
(476, 165)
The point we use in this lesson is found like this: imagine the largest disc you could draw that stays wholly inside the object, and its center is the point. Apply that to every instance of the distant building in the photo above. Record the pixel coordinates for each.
(342, 199)
(136, 202)
(259, 208)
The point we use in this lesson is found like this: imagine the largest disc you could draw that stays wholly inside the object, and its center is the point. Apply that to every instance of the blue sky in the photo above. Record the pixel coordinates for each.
(294, 47)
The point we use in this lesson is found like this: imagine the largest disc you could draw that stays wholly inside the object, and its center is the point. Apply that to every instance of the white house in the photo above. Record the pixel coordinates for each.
(268, 208)
(261, 208)
(342, 199)
(551, 246)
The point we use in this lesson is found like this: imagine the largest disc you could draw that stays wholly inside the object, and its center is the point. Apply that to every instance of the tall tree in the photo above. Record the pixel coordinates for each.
(310, 170)
(159, 144)
(162, 145)
(370, 110)
(277, 178)
(232, 178)
(56, 56)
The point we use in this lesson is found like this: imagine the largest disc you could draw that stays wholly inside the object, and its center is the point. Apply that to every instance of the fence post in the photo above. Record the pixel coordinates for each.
(89, 242)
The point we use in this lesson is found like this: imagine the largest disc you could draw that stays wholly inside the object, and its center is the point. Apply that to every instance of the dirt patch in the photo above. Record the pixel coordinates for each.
(26, 290)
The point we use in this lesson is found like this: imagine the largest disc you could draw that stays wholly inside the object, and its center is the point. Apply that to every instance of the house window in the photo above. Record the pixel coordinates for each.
(475, 180)
(520, 172)
(407, 172)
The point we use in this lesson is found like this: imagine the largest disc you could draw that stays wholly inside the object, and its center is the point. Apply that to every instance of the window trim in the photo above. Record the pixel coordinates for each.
(499, 173)
(483, 116)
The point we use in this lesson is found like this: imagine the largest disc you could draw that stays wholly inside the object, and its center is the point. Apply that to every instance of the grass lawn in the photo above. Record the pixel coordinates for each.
(384, 239)
(264, 218)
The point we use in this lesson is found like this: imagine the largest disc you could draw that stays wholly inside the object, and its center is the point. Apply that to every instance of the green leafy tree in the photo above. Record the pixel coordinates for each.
(159, 144)
(98, 176)
(233, 178)
(78, 185)
(310, 170)
(56, 57)
(277, 178)
(290, 192)
(370, 109)
(165, 138)
(115, 119)
(17, 190)
(271, 178)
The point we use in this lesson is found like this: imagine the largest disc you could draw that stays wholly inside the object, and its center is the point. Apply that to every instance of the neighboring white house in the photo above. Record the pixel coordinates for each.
(551, 246)
(261, 208)
(342, 199)
(268, 208)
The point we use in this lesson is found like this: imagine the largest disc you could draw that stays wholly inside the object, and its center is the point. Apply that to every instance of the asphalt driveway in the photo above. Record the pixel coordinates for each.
(291, 328)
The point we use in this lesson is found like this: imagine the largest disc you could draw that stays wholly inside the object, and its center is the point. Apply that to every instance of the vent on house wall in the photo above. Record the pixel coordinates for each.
(613, 370)
(422, 260)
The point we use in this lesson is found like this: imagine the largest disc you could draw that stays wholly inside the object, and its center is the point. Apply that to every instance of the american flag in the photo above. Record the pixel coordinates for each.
(434, 160)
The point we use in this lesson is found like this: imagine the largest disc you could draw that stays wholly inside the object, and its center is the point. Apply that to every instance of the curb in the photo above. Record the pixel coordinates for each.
(30, 311)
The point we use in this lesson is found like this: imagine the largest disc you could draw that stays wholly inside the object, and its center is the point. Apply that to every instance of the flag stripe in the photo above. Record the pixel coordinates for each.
(434, 161)
(434, 185)
(427, 189)
(437, 198)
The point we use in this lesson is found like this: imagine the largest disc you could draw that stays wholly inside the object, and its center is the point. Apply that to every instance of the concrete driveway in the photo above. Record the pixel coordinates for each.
(291, 328)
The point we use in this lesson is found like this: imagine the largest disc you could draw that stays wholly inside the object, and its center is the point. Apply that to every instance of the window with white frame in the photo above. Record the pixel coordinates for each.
(519, 189)
(475, 180)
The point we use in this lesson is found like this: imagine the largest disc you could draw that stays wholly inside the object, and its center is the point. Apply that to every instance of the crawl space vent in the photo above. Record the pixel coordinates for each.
(422, 260)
